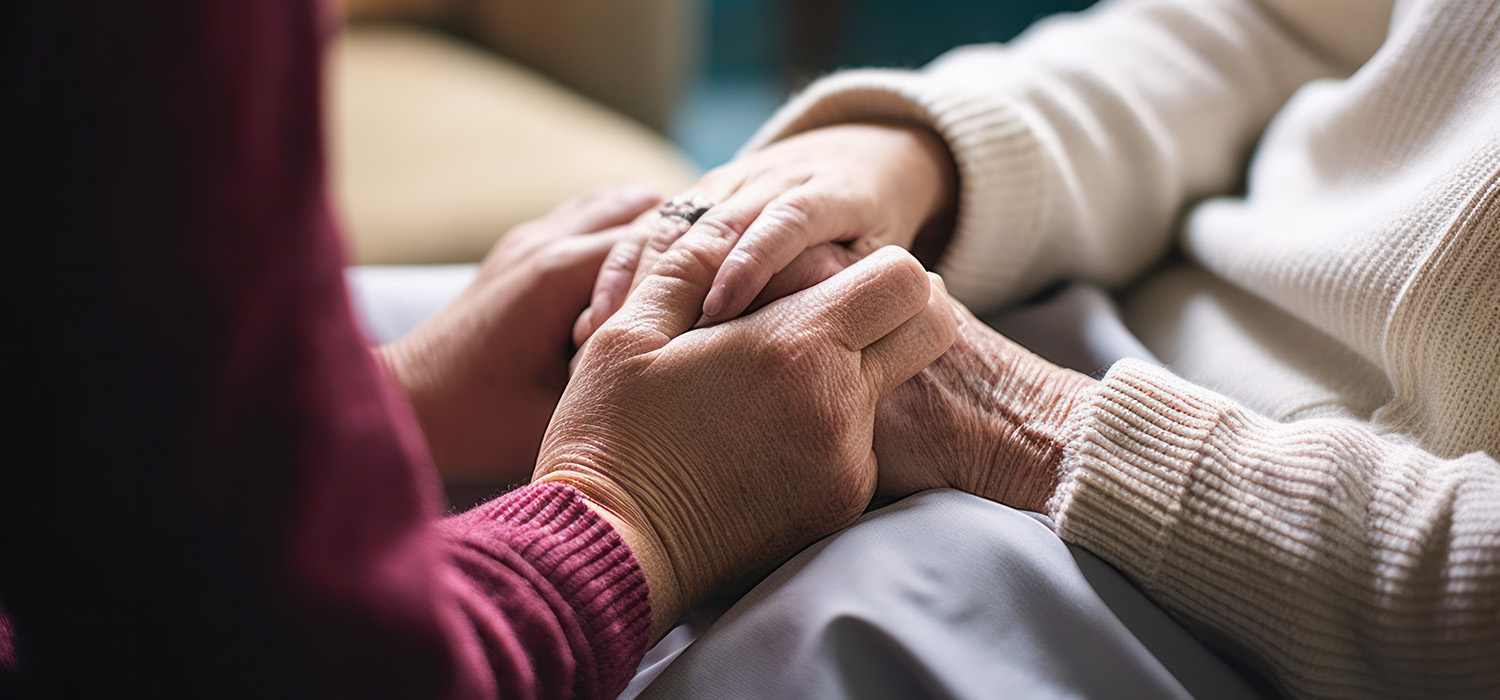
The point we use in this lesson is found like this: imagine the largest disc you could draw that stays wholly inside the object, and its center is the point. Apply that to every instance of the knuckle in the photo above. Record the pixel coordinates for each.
(612, 343)
(623, 257)
(663, 234)
(608, 336)
(791, 351)
(688, 262)
(811, 366)
(725, 227)
(907, 278)
(789, 215)
(747, 257)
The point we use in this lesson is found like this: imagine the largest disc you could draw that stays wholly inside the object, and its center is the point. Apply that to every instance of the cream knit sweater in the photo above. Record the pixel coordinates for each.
(1318, 480)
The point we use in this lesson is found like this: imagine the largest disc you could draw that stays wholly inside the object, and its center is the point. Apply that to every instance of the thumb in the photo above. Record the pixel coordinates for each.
(669, 300)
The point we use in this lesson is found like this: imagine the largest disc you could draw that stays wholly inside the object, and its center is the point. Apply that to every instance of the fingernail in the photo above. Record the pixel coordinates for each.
(715, 301)
(938, 280)
(958, 313)
(602, 300)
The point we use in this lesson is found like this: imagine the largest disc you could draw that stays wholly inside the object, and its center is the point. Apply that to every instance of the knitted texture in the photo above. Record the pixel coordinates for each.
(588, 565)
(1318, 480)
(1354, 565)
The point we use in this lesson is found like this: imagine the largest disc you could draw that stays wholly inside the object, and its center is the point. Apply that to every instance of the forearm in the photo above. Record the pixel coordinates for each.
(1077, 145)
(1355, 564)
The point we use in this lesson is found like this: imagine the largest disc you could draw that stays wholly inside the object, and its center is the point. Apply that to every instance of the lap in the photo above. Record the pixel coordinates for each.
(939, 595)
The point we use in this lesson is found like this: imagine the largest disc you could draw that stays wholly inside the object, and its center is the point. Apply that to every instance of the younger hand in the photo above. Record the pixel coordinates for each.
(715, 451)
(837, 183)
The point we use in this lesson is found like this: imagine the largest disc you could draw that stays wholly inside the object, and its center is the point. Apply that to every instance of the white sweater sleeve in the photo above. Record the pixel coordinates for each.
(1356, 565)
(1079, 143)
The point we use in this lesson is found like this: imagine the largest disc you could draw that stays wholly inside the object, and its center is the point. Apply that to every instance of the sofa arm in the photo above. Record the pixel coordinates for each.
(439, 148)
(636, 56)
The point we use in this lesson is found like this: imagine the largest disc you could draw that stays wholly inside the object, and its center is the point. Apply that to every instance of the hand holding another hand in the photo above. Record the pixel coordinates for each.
(717, 450)
(988, 418)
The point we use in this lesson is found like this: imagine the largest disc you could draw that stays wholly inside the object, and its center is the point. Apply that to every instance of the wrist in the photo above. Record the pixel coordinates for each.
(925, 172)
(1032, 405)
(938, 169)
(616, 507)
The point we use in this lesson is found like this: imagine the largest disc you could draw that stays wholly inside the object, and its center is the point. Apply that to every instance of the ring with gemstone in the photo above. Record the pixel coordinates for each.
(689, 208)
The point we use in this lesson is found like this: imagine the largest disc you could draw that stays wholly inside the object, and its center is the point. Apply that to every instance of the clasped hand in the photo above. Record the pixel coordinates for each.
(717, 450)
(989, 417)
(717, 442)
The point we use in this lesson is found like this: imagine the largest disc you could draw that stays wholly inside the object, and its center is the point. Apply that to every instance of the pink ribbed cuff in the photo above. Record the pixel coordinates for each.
(590, 566)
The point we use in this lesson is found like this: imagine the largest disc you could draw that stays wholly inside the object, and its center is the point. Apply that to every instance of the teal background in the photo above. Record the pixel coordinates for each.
(756, 52)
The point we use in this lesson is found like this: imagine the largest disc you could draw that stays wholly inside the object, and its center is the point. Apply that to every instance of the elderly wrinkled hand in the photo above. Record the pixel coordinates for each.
(988, 418)
(718, 450)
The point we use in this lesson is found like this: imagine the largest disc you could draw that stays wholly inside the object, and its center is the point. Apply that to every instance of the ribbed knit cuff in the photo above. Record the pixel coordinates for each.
(1000, 196)
(1132, 450)
(591, 568)
(1350, 564)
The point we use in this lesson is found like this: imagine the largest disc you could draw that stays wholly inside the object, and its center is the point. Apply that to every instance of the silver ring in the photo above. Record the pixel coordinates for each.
(689, 208)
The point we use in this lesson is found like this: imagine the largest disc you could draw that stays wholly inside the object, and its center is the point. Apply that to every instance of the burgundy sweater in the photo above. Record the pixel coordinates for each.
(212, 489)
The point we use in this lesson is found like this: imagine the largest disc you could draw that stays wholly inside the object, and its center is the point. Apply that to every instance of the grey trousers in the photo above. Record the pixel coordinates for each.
(939, 595)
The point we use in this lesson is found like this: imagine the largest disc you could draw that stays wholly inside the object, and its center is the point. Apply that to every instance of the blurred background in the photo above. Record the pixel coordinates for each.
(453, 120)
(755, 52)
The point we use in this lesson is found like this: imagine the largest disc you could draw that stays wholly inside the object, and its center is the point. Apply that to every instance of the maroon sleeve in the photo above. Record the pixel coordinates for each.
(214, 491)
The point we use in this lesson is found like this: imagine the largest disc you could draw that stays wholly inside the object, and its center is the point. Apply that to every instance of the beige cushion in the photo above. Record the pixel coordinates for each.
(439, 148)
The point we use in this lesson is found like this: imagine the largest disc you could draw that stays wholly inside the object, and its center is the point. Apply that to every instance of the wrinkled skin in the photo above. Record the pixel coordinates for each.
(718, 450)
(987, 418)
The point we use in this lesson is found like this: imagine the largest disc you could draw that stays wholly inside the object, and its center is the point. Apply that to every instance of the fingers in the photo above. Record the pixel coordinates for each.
(612, 286)
(735, 207)
(789, 224)
(868, 300)
(669, 300)
(814, 265)
(632, 262)
(918, 342)
(601, 209)
(577, 261)
(586, 214)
